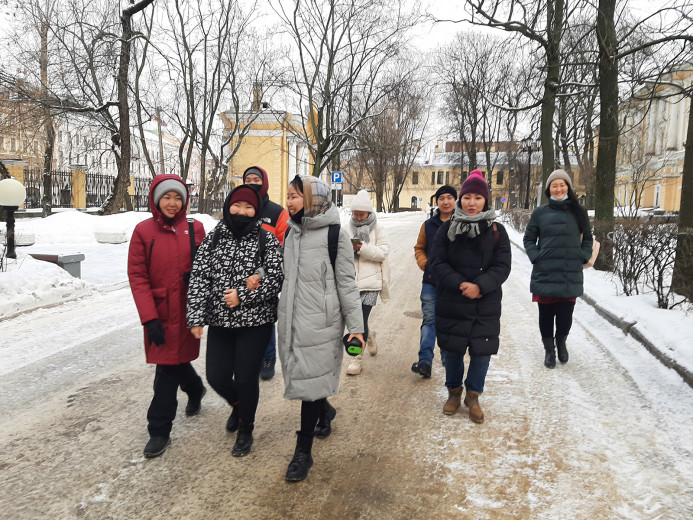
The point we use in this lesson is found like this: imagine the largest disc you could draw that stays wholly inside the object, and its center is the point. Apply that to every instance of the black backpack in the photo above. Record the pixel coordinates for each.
(332, 242)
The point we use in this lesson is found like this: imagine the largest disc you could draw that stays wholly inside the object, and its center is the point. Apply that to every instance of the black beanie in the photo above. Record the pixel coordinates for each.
(446, 189)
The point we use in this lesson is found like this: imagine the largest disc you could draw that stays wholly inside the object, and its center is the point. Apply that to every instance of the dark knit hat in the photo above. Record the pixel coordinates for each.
(247, 194)
(445, 190)
(475, 183)
(167, 185)
(559, 174)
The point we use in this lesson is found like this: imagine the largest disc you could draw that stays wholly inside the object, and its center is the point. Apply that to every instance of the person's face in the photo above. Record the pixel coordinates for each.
(472, 203)
(251, 178)
(294, 200)
(242, 208)
(558, 189)
(360, 216)
(446, 203)
(170, 204)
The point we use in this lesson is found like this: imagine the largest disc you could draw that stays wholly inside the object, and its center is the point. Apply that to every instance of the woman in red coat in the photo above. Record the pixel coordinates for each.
(159, 264)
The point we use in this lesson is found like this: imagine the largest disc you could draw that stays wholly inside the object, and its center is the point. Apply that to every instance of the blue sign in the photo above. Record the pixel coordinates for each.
(336, 177)
(504, 200)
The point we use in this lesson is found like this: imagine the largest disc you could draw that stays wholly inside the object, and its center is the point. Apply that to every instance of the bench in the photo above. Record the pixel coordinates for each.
(71, 263)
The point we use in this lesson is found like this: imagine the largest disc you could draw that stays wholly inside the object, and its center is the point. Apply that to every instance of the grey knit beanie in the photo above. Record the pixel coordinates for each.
(559, 174)
(170, 185)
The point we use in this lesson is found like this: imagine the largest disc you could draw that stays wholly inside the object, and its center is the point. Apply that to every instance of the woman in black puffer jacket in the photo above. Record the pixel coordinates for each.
(558, 241)
(470, 260)
(234, 288)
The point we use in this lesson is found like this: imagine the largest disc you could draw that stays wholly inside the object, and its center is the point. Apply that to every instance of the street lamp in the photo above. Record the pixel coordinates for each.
(527, 145)
(12, 195)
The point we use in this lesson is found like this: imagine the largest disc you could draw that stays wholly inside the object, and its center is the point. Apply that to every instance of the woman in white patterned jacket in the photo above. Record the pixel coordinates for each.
(234, 286)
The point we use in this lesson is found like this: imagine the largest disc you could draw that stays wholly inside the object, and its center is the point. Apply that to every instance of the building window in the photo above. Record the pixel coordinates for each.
(657, 195)
(414, 177)
(433, 177)
(13, 145)
(2, 143)
(499, 178)
(447, 177)
(440, 177)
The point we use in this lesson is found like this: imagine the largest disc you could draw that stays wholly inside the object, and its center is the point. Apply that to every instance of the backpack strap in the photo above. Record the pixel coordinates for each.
(191, 232)
(333, 243)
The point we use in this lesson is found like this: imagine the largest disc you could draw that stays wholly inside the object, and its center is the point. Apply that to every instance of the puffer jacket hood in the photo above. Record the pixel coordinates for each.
(264, 187)
(156, 212)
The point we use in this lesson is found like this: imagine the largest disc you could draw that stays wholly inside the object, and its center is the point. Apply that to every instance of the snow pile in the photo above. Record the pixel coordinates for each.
(31, 283)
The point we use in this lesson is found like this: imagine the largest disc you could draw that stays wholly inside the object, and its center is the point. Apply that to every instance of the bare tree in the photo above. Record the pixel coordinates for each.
(339, 68)
(388, 143)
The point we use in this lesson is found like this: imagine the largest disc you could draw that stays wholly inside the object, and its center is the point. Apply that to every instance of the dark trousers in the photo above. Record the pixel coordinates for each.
(310, 413)
(561, 313)
(234, 359)
(162, 409)
(366, 313)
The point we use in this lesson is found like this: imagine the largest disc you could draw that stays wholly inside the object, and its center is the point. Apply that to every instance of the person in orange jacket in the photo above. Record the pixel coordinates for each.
(275, 220)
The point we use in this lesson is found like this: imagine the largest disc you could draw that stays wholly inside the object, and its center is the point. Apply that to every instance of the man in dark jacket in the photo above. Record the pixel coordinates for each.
(445, 200)
(275, 220)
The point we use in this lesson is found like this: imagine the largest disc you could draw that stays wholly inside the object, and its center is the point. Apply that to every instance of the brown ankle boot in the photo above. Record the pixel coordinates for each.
(471, 400)
(453, 402)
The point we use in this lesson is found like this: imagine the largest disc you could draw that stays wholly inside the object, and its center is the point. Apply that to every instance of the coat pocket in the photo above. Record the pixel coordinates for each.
(161, 302)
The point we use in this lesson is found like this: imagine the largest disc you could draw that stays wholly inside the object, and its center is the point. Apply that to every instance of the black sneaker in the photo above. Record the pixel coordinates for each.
(156, 446)
(195, 405)
(267, 370)
(423, 369)
(244, 441)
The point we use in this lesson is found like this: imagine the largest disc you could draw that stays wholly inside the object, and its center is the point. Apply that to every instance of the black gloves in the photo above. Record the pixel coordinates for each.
(155, 331)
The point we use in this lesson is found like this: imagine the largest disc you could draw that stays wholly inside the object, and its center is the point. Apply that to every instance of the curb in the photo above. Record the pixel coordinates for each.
(631, 328)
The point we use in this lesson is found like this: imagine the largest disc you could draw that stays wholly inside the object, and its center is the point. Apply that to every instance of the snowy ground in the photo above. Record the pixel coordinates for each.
(605, 436)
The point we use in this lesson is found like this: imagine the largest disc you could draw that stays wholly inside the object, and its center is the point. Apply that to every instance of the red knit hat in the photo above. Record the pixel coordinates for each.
(247, 194)
(475, 183)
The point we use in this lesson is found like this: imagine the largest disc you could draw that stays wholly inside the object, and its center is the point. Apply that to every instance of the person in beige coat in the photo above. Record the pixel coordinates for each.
(371, 248)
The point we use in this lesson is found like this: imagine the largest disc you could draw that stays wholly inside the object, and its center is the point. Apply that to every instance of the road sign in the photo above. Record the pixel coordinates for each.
(504, 199)
(336, 177)
(420, 199)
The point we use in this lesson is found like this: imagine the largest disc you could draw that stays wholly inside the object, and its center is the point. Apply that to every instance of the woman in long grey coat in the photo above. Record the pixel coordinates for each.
(316, 302)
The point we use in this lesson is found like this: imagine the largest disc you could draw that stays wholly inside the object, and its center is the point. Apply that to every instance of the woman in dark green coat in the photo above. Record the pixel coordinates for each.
(558, 241)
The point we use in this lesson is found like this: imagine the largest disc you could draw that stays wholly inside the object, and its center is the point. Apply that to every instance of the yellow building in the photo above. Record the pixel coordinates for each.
(649, 169)
(271, 143)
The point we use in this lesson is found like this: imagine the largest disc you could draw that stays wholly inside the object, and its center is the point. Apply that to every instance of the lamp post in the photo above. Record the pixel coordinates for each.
(12, 195)
(526, 146)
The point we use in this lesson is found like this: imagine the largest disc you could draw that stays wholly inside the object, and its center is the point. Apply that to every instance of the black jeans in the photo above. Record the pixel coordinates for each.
(563, 314)
(234, 360)
(162, 409)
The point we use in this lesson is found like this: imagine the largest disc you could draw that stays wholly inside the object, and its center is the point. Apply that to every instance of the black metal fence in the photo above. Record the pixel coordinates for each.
(140, 201)
(61, 188)
(98, 188)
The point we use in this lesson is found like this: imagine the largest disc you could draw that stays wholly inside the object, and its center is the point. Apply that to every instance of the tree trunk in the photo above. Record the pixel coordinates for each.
(119, 197)
(608, 131)
(46, 206)
(682, 281)
(554, 24)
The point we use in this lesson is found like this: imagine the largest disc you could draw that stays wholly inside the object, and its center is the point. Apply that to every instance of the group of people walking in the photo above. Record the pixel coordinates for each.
(301, 269)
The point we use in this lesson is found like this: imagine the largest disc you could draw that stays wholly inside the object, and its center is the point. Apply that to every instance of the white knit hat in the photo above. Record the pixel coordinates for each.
(362, 202)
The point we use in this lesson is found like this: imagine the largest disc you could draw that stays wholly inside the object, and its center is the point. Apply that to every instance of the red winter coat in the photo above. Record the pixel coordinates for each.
(159, 255)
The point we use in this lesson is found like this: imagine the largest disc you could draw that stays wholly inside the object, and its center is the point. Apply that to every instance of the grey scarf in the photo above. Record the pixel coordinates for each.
(463, 224)
(363, 229)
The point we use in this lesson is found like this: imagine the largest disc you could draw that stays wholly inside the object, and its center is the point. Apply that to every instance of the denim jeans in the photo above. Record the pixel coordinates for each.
(428, 326)
(271, 351)
(476, 373)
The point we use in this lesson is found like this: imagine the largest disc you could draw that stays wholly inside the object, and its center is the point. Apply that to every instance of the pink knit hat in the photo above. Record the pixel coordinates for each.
(475, 183)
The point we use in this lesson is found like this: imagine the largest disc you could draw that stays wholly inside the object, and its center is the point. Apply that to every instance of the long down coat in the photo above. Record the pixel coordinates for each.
(314, 307)
(462, 322)
(158, 258)
(557, 250)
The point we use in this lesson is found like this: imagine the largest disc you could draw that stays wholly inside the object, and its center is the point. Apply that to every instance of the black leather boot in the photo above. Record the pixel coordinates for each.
(324, 426)
(550, 357)
(244, 440)
(562, 348)
(303, 460)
